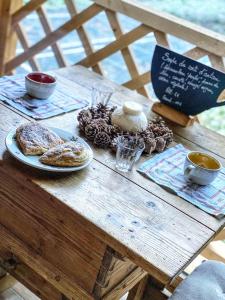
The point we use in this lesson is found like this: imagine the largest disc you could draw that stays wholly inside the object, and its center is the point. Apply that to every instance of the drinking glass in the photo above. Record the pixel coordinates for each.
(101, 93)
(129, 150)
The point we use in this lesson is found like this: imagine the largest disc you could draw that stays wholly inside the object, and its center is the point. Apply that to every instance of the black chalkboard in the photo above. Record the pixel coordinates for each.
(185, 84)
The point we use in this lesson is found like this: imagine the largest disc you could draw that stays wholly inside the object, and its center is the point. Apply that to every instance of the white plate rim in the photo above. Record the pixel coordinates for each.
(16, 152)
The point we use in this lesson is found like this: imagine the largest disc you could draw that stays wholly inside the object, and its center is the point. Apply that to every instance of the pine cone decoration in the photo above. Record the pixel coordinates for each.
(91, 131)
(102, 140)
(160, 144)
(96, 124)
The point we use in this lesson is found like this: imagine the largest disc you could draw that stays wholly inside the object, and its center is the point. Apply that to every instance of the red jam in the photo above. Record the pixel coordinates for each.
(41, 77)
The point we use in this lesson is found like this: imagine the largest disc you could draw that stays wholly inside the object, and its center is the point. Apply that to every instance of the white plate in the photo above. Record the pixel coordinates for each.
(33, 160)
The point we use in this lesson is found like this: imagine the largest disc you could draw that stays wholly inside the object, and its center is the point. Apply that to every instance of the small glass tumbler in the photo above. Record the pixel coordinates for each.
(129, 150)
(101, 94)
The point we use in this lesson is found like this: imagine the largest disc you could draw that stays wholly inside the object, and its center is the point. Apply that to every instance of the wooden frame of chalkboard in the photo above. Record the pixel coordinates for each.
(184, 87)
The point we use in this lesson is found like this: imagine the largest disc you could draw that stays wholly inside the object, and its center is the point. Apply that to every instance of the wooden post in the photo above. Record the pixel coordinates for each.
(8, 36)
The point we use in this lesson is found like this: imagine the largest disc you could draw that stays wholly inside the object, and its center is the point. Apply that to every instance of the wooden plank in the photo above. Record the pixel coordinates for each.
(113, 47)
(161, 38)
(139, 81)
(217, 62)
(195, 34)
(114, 269)
(172, 114)
(195, 53)
(34, 282)
(83, 35)
(107, 224)
(43, 237)
(124, 286)
(47, 29)
(59, 33)
(7, 36)
(42, 267)
(26, 10)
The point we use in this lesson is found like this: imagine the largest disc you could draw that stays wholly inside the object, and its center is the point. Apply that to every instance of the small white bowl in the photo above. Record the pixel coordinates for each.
(40, 85)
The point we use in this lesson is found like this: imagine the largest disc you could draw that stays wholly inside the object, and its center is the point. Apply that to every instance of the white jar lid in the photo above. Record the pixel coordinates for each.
(132, 108)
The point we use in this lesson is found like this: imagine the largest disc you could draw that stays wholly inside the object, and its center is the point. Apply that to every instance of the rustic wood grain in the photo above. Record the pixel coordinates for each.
(159, 232)
(38, 285)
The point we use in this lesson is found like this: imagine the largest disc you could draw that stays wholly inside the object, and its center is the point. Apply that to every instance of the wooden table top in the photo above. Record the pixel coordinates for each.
(158, 231)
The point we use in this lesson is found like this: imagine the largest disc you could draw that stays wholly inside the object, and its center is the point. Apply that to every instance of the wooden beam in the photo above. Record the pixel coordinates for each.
(8, 37)
(83, 35)
(125, 285)
(25, 10)
(115, 46)
(195, 34)
(47, 29)
(126, 52)
(51, 38)
(139, 81)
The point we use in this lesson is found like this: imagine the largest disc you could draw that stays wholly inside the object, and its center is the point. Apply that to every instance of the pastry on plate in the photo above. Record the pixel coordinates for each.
(69, 154)
(35, 139)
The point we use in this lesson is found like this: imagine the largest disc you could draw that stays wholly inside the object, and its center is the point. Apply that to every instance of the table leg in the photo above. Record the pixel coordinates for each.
(136, 293)
(147, 289)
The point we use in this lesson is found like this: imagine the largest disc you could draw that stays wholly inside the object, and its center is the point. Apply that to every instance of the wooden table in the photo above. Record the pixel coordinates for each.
(95, 233)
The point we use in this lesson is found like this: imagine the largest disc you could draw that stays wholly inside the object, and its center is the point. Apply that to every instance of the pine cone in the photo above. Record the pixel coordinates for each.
(160, 144)
(102, 140)
(91, 131)
(150, 145)
(83, 123)
(101, 123)
(84, 114)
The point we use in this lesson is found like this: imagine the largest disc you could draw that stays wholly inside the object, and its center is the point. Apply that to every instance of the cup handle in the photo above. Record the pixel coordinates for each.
(188, 171)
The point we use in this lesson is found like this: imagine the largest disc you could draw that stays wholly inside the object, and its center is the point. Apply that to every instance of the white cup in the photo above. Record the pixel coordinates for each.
(201, 168)
(40, 85)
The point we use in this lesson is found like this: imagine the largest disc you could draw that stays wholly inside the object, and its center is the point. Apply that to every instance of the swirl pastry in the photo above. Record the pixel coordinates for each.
(69, 154)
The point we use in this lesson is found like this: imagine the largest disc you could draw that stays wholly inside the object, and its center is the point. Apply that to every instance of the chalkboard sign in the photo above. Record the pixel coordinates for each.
(185, 84)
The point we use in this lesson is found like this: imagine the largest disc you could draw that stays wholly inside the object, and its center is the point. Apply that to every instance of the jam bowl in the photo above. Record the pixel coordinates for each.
(40, 85)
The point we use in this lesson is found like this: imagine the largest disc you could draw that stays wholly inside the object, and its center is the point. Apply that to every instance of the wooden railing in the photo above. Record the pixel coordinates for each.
(160, 25)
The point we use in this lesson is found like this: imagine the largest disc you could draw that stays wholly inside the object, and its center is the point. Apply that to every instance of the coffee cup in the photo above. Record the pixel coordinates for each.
(201, 168)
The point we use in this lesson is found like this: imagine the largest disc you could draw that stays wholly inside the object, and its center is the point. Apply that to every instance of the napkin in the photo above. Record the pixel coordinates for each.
(64, 99)
(166, 169)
